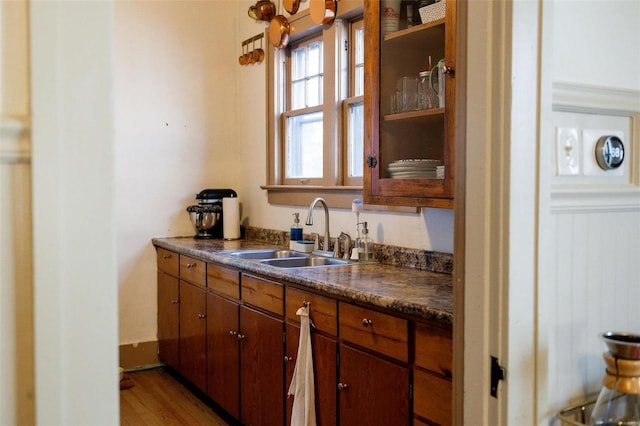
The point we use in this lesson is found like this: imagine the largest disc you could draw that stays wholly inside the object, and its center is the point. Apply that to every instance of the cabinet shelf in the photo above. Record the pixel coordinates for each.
(415, 115)
(425, 36)
(421, 31)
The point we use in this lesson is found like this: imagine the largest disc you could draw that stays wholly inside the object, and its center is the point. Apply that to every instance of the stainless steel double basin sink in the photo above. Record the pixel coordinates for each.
(283, 258)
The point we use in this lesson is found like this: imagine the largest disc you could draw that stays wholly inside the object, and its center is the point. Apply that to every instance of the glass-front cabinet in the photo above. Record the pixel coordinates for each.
(409, 103)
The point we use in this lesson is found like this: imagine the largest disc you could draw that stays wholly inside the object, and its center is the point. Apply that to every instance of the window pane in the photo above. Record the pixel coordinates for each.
(304, 146)
(306, 75)
(359, 63)
(359, 87)
(298, 95)
(356, 138)
(360, 45)
(298, 64)
(315, 59)
(314, 91)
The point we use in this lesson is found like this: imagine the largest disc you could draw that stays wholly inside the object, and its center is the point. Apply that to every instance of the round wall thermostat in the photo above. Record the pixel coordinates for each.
(609, 152)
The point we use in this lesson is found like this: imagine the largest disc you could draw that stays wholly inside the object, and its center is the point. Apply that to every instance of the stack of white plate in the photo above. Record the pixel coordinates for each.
(415, 169)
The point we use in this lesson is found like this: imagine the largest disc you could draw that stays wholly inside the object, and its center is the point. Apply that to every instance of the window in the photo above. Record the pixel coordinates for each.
(303, 135)
(316, 109)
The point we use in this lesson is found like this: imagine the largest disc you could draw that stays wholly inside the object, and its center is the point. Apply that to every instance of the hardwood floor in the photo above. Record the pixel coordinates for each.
(158, 398)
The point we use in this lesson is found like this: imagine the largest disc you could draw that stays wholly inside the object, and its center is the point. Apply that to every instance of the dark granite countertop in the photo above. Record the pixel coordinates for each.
(410, 291)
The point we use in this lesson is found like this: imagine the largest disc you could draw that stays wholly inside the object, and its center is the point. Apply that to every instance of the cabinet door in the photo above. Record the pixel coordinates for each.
(325, 373)
(373, 391)
(261, 368)
(168, 320)
(193, 329)
(405, 144)
(223, 356)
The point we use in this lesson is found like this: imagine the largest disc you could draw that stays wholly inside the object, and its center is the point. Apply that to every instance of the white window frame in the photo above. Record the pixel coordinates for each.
(351, 99)
(338, 190)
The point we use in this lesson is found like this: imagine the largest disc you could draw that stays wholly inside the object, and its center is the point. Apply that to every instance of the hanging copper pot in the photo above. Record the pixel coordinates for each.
(323, 11)
(265, 10)
(253, 14)
(279, 31)
(291, 6)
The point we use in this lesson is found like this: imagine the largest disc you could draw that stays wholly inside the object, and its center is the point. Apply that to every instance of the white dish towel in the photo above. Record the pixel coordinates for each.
(303, 384)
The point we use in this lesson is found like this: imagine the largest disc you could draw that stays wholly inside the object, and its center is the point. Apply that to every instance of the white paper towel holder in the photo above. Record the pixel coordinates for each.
(230, 218)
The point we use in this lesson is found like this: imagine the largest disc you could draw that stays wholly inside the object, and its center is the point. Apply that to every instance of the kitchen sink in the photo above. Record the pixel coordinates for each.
(305, 262)
(260, 254)
(283, 258)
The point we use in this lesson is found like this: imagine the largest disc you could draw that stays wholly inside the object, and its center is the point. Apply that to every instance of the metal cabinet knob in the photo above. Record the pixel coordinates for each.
(241, 336)
(191, 265)
(201, 316)
(166, 256)
(174, 302)
(367, 322)
(287, 359)
(233, 333)
(342, 386)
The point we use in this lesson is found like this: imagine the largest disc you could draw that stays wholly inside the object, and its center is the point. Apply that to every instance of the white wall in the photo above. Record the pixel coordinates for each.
(175, 108)
(75, 282)
(589, 227)
(189, 117)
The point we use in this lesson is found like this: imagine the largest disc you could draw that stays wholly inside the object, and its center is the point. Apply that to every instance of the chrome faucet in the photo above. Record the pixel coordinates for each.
(346, 240)
(326, 244)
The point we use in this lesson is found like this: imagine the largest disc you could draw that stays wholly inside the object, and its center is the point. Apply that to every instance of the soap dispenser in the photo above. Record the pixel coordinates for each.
(365, 245)
(295, 231)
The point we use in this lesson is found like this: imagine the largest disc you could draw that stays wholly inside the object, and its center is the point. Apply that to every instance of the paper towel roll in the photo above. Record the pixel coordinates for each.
(230, 218)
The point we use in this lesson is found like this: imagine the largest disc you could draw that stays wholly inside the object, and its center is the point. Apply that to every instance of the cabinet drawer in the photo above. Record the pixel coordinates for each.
(167, 261)
(263, 294)
(434, 349)
(432, 397)
(193, 270)
(323, 311)
(374, 330)
(223, 280)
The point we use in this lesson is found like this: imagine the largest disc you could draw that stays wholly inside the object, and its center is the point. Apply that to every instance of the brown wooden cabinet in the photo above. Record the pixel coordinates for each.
(193, 334)
(168, 307)
(373, 391)
(235, 336)
(393, 134)
(432, 374)
(168, 319)
(323, 314)
(261, 368)
(261, 337)
(223, 353)
(223, 345)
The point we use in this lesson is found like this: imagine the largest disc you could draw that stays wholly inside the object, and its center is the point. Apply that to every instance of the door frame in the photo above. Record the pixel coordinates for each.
(496, 215)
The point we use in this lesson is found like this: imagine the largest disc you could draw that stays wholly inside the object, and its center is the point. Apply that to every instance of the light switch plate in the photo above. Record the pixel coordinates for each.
(567, 151)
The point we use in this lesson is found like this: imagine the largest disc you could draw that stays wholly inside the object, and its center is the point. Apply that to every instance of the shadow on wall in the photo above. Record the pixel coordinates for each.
(438, 225)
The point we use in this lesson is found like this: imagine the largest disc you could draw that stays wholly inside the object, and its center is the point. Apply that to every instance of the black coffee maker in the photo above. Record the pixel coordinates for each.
(206, 216)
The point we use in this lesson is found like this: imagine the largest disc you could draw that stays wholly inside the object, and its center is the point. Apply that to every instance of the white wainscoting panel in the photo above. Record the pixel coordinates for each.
(590, 252)
(597, 289)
